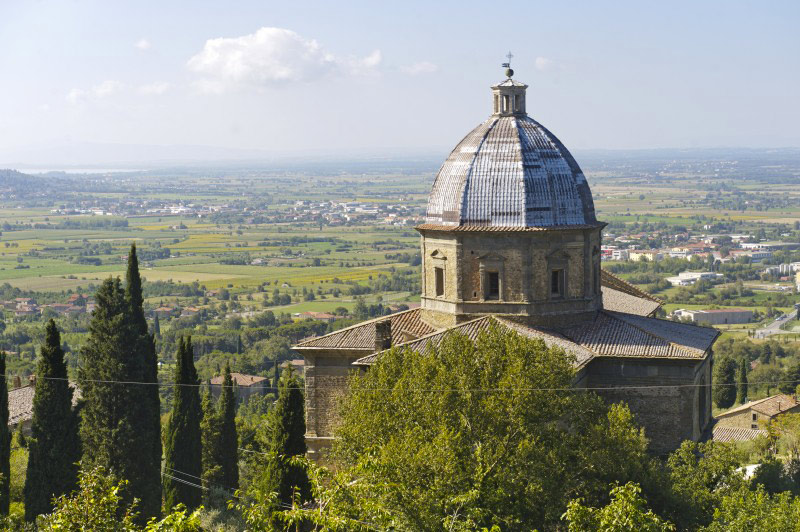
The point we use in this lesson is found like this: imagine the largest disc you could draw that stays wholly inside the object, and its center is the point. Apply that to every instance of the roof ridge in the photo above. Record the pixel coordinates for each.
(440, 331)
(641, 293)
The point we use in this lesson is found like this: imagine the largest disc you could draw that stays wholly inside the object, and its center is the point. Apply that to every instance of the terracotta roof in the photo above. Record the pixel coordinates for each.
(240, 379)
(626, 335)
(608, 334)
(362, 336)
(770, 406)
(618, 301)
(723, 434)
(472, 329)
(612, 281)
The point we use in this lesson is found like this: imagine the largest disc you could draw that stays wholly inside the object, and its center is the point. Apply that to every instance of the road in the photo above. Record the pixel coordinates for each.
(775, 326)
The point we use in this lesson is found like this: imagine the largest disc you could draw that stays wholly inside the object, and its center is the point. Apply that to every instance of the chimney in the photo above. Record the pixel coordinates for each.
(383, 335)
(32, 380)
(17, 382)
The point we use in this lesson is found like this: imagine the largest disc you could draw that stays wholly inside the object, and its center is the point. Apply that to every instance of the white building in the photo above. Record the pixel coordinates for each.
(689, 278)
(716, 316)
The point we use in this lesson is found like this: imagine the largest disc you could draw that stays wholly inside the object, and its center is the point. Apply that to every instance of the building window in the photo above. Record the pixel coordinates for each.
(557, 283)
(754, 426)
(492, 285)
(439, 281)
(755, 417)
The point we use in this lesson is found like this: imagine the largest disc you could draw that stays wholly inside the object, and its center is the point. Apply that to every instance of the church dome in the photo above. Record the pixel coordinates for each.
(510, 172)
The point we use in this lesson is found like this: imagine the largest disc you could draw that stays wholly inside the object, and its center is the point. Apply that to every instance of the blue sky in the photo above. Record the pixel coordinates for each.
(365, 77)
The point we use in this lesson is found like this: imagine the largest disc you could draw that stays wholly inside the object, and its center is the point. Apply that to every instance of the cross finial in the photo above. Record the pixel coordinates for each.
(507, 66)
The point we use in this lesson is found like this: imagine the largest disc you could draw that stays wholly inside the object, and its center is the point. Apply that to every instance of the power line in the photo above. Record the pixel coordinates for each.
(446, 390)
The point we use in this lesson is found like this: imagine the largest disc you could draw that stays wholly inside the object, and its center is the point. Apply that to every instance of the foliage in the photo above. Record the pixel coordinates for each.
(701, 474)
(211, 436)
(466, 436)
(746, 510)
(5, 441)
(54, 448)
(114, 431)
(183, 453)
(229, 440)
(627, 511)
(724, 393)
(741, 382)
(98, 505)
(286, 440)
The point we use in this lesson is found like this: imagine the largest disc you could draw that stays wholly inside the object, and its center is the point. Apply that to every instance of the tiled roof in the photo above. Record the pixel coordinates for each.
(20, 402)
(626, 335)
(723, 434)
(405, 325)
(510, 171)
(472, 329)
(769, 406)
(608, 334)
(240, 378)
(612, 281)
(617, 301)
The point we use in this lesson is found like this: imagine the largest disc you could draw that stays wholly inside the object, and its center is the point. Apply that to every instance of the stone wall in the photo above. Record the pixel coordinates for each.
(748, 419)
(669, 415)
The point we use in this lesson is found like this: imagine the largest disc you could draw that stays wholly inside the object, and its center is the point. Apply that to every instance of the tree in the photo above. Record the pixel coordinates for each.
(754, 510)
(724, 392)
(5, 440)
(791, 378)
(54, 448)
(741, 385)
(156, 327)
(627, 511)
(210, 428)
(113, 430)
(287, 428)
(149, 424)
(183, 453)
(99, 506)
(466, 435)
(229, 441)
(275, 376)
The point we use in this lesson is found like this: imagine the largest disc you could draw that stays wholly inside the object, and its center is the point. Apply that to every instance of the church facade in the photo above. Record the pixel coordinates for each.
(511, 238)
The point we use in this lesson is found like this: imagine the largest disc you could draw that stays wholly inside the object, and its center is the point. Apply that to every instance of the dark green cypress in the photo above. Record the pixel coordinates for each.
(182, 453)
(54, 448)
(156, 327)
(275, 376)
(229, 440)
(5, 440)
(111, 418)
(286, 440)
(741, 386)
(211, 450)
(149, 423)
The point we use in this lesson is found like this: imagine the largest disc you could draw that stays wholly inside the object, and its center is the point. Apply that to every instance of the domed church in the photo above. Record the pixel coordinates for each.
(511, 238)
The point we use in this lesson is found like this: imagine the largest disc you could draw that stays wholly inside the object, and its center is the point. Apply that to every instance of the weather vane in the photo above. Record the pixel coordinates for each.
(507, 66)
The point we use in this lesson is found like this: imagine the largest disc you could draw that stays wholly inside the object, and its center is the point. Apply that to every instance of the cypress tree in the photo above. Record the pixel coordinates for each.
(54, 448)
(149, 422)
(287, 439)
(229, 440)
(211, 449)
(741, 387)
(5, 440)
(275, 376)
(156, 327)
(183, 454)
(724, 392)
(111, 426)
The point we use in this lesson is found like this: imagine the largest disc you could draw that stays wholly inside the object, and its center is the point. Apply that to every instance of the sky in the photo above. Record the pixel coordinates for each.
(99, 82)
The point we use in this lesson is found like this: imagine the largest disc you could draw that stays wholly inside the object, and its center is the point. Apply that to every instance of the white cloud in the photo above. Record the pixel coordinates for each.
(107, 88)
(272, 56)
(157, 88)
(543, 63)
(422, 67)
(143, 44)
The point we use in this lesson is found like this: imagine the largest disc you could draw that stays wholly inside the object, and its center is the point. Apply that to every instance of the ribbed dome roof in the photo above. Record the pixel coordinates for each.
(510, 171)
